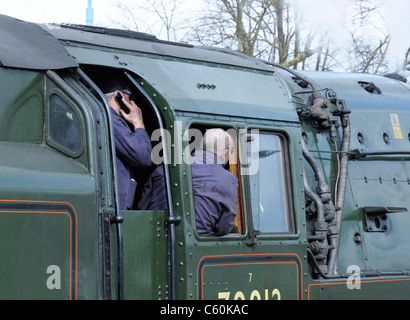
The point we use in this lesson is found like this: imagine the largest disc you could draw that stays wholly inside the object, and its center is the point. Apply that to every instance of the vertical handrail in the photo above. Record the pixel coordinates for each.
(172, 219)
(118, 217)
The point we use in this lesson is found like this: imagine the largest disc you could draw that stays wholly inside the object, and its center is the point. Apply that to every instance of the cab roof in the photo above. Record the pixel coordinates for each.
(119, 39)
(27, 45)
(41, 46)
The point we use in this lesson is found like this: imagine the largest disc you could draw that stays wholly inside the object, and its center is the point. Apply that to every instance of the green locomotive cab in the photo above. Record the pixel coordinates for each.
(322, 161)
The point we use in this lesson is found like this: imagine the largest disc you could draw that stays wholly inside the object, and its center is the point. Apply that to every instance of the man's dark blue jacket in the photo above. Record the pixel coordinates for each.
(133, 150)
(215, 193)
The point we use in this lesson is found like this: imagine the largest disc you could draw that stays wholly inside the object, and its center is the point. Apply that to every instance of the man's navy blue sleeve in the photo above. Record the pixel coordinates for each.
(228, 206)
(134, 148)
(154, 195)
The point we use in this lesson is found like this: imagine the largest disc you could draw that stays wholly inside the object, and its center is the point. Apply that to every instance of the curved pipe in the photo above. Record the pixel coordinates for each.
(315, 198)
(323, 186)
(321, 226)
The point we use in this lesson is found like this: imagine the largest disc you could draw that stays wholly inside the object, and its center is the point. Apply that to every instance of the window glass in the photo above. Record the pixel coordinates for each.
(268, 191)
(64, 125)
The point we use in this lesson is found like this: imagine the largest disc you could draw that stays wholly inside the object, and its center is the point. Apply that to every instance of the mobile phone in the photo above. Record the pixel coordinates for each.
(118, 97)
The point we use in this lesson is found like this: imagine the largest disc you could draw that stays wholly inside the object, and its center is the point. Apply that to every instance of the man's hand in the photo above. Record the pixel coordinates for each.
(135, 115)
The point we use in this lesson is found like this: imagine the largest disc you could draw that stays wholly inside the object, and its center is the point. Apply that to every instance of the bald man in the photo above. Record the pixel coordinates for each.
(215, 188)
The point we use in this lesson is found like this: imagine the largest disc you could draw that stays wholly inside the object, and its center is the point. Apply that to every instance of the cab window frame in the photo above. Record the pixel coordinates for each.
(287, 186)
(240, 220)
(50, 140)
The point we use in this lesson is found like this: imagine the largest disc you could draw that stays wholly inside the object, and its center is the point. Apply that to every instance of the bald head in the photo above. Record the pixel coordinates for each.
(217, 141)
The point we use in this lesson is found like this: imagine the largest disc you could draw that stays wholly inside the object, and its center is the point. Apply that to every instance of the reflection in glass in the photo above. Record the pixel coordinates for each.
(64, 126)
(269, 202)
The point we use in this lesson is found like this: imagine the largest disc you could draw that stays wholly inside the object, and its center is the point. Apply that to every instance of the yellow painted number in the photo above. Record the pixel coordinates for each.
(255, 295)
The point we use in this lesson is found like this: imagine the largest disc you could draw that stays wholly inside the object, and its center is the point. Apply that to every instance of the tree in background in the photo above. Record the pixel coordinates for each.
(370, 41)
(271, 30)
(263, 29)
(152, 16)
(406, 64)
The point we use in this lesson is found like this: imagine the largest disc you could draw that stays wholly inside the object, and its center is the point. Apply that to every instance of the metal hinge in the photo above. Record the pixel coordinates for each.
(106, 250)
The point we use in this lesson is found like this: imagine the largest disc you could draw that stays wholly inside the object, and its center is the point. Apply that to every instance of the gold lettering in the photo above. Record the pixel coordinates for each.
(276, 293)
(224, 295)
(239, 296)
(255, 295)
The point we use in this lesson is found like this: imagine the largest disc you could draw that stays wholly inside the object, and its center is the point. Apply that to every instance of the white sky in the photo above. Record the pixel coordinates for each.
(58, 11)
(320, 15)
(333, 16)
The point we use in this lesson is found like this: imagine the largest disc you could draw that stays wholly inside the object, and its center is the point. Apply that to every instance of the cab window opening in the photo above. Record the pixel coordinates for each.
(204, 182)
(269, 191)
(111, 81)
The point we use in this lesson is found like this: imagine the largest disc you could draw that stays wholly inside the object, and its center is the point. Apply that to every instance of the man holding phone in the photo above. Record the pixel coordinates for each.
(127, 109)
(132, 143)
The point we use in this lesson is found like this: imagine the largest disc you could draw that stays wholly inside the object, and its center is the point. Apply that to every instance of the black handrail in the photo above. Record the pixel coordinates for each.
(362, 153)
(117, 219)
(172, 220)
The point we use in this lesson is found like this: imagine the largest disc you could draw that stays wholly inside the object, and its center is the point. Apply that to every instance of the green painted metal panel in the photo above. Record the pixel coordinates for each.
(203, 87)
(47, 209)
(48, 204)
(145, 255)
(22, 106)
(33, 242)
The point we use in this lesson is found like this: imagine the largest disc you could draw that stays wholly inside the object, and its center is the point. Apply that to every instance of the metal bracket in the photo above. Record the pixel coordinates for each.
(175, 219)
(116, 219)
(376, 218)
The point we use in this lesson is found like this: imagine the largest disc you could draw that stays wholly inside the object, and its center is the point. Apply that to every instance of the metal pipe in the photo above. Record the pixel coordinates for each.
(324, 189)
(323, 202)
(361, 153)
(341, 188)
(315, 198)
(323, 186)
